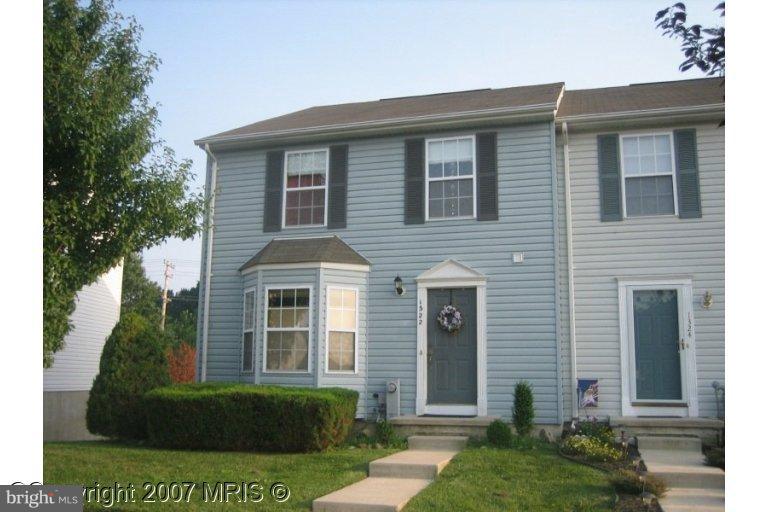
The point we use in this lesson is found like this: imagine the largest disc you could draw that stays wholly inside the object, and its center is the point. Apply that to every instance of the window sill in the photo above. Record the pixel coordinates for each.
(306, 226)
(286, 372)
(443, 219)
(341, 372)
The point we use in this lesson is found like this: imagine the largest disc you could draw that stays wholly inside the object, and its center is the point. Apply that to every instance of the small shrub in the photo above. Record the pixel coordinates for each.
(249, 417)
(132, 362)
(625, 481)
(591, 449)
(522, 415)
(181, 363)
(715, 456)
(499, 434)
(596, 430)
(385, 433)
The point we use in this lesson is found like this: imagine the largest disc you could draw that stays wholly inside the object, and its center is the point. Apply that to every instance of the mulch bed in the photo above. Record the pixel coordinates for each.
(632, 503)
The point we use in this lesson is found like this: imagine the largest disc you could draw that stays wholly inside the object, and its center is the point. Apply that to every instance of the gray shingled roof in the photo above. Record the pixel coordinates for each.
(330, 249)
(406, 107)
(682, 93)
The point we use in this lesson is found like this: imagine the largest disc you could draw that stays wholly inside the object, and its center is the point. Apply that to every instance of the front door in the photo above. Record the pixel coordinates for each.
(452, 357)
(657, 341)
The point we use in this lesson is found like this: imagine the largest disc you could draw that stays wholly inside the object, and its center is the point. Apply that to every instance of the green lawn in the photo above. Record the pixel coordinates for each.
(482, 478)
(307, 475)
(532, 478)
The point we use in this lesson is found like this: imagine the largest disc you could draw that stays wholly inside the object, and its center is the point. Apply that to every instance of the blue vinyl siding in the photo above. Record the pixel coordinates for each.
(521, 309)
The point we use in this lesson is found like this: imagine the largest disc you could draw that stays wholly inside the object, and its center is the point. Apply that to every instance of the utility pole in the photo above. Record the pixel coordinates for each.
(169, 266)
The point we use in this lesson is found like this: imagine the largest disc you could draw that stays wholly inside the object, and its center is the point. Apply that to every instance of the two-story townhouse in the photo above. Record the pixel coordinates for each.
(340, 233)
(642, 173)
(463, 242)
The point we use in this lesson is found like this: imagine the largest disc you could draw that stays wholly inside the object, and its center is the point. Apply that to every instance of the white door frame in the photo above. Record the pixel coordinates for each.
(630, 405)
(450, 274)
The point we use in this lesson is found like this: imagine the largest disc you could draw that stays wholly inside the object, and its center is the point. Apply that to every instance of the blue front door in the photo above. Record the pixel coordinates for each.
(452, 357)
(657, 349)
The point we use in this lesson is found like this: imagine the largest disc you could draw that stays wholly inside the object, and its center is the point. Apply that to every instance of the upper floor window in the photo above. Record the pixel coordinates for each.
(451, 177)
(306, 192)
(647, 163)
(287, 333)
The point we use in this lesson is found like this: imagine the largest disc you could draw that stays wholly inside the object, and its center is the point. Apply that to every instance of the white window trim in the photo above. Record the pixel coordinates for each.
(630, 405)
(314, 187)
(252, 330)
(673, 173)
(428, 180)
(265, 329)
(450, 274)
(356, 331)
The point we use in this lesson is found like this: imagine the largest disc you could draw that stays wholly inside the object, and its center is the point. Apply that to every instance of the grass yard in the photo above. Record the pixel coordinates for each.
(536, 479)
(307, 475)
(481, 478)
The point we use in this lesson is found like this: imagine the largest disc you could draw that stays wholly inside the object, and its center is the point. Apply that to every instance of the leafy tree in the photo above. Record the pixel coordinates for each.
(183, 300)
(182, 328)
(110, 188)
(702, 47)
(141, 295)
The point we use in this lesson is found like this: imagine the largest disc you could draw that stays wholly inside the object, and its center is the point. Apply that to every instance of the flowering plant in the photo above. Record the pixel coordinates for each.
(450, 319)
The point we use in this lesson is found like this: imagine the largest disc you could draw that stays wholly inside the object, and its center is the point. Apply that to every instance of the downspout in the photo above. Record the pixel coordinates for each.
(556, 246)
(571, 286)
(208, 257)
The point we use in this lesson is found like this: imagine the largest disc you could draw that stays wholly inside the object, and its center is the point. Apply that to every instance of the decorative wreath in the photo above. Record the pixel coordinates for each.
(450, 319)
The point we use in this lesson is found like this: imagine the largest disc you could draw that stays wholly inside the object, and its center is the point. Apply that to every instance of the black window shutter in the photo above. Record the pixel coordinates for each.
(273, 192)
(687, 167)
(487, 177)
(609, 177)
(337, 187)
(414, 181)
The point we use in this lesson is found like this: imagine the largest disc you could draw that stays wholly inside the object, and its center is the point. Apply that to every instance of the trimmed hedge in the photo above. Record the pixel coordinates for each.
(220, 416)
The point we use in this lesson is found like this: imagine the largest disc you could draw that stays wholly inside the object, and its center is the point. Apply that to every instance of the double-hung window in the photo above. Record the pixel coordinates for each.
(342, 330)
(306, 192)
(647, 163)
(287, 330)
(450, 178)
(249, 321)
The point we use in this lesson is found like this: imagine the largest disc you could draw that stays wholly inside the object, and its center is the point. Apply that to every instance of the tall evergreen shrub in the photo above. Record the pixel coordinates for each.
(522, 414)
(133, 362)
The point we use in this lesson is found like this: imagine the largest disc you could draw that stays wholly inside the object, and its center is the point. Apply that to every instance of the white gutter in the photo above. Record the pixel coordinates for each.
(208, 257)
(399, 122)
(642, 114)
(571, 287)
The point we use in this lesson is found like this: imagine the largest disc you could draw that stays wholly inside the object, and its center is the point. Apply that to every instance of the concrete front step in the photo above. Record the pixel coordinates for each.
(693, 499)
(677, 458)
(675, 475)
(437, 443)
(676, 443)
(371, 495)
(419, 464)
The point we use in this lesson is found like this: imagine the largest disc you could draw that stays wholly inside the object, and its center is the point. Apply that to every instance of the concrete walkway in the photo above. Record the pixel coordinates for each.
(693, 486)
(394, 480)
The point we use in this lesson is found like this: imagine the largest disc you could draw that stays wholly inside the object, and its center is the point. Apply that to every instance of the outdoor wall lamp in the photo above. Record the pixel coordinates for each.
(708, 300)
(399, 288)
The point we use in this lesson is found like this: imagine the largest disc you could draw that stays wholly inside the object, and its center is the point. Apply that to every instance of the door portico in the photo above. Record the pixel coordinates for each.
(450, 275)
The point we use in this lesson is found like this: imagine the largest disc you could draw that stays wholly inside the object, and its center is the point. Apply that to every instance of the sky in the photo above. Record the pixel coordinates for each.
(229, 63)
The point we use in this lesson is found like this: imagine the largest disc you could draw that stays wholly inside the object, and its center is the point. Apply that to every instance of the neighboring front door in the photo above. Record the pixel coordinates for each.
(452, 357)
(657, 341)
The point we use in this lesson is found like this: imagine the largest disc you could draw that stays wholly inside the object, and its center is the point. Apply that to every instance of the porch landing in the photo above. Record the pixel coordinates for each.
(706, 429)
(470, 426)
